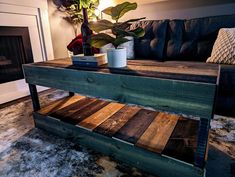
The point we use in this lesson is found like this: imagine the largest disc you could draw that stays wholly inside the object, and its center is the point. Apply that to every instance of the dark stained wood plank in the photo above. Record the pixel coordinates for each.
(183, 141)
(175, 70)
(175, 64)
(66, 63)
(100, 116)
(136, 126)
(72, 108)
(158, 133)
(167, 75)
(88, 110)
(189, 71)
(115, 122)
(59, 104)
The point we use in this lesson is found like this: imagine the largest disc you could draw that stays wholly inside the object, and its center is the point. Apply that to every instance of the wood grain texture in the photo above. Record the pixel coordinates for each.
(85, 112)
(190, 98)
(183, 141)
(59, 104)
(158, 133)
(181, 67)
(148, 161)
(117, 121)
(100, 116)
(190, 71)
(175, 70)
(207, 149)
(72, 108)
(136, 126)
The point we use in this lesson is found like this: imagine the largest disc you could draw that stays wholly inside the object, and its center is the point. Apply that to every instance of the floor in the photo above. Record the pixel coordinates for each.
(28, 151)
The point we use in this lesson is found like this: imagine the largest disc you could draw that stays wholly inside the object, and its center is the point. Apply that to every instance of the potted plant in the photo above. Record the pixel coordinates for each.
(73, 10)
(119, 30)
(79, 12)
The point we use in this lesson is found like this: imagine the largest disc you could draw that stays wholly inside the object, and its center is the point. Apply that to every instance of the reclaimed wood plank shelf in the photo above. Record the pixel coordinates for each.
(170, 139)
(150, 130)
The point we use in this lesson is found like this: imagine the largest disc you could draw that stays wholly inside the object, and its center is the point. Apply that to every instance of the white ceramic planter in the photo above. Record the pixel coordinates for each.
(116, 57)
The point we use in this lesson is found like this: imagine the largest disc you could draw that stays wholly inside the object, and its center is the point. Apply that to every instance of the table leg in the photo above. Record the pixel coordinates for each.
(34, 97)
(202, 142)
(71, 94)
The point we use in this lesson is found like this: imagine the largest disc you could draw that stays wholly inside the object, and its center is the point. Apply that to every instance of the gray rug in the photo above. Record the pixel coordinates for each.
(27, 151)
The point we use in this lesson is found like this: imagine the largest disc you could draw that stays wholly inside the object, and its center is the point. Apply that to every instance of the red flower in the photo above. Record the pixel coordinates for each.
(75, 46)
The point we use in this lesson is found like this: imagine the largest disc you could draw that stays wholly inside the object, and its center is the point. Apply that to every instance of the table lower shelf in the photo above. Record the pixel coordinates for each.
(159, 132)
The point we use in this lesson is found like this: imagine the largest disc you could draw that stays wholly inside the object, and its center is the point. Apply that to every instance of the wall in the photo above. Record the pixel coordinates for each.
(182, 9)
(62, 32)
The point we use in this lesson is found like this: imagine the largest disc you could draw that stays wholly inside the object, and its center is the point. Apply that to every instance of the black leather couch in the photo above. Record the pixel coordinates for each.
(189, 40)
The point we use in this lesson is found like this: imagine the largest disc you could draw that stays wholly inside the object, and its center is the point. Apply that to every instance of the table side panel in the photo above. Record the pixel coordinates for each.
(190, 98)
(132, 155)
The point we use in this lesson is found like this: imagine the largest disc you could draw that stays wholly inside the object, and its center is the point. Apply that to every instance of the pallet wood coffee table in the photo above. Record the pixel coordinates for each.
(166, 134)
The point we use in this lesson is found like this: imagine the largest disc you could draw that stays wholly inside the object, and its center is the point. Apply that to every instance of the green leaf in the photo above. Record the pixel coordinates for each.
(108, 11)
(121, 33)
(122, 26)
(100, 25)
(119, 41)
(72, 7)
(87, 3)
(101, 39)
(119, 10)
(125, 25)
(95, 2)
(134, 20)
(139, 32)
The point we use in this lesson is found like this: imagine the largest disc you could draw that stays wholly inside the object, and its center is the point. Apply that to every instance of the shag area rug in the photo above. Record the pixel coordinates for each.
(26, 151)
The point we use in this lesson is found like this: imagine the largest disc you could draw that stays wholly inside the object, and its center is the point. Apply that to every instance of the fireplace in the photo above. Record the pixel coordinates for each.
(15, 50)
(24, 38)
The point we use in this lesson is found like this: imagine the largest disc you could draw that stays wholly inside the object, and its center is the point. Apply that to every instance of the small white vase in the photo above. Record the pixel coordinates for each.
(116, 57)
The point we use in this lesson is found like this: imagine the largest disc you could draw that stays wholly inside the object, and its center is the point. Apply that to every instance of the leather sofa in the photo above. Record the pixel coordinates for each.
(189, 41)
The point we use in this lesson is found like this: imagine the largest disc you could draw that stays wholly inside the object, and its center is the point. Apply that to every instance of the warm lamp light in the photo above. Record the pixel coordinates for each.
(97, 12)
(105, 3)
(94, 19)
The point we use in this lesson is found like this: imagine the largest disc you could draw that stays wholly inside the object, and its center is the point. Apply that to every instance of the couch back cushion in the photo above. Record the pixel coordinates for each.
(193, 39)
(189, 40)
(151, 46)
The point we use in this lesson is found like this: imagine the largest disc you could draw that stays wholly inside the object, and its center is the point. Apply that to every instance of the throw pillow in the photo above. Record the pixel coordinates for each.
(223, 51)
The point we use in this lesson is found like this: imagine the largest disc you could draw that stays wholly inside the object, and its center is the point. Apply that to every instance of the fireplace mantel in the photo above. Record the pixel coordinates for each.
(34, 15)
(42, 4)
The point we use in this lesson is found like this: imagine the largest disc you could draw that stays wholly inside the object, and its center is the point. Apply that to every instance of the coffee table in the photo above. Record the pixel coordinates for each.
(145, 114)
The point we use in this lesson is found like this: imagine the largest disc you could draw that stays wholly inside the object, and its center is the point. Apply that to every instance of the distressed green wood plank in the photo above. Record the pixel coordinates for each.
(190, 98)
(150, 162)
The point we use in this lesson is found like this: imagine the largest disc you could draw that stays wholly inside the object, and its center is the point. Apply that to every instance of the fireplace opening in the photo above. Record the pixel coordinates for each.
(15, 50)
